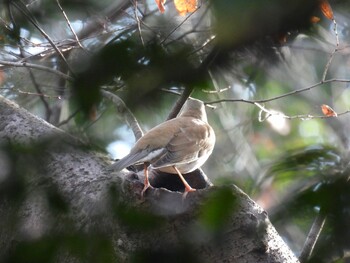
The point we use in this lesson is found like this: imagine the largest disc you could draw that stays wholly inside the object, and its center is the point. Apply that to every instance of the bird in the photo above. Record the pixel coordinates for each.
(177, 146)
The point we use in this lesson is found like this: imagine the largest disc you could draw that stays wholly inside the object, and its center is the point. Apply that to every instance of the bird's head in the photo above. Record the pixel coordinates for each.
(193, 108)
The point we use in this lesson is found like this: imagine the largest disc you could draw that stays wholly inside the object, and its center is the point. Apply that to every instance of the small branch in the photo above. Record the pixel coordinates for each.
(33, 93)
(309, 116)
(31, 74)
(194, 29)
(176, 28)
(312, 237)
(281, 96)
(69, 24)
(331, 56)
(177, 93)
(114, 11)
(207, 42)
(335, 29)
(304, 89)
(68, 119)
(216, 91)
(123, 110)
(180, 102)
(23, 9)
(42, 98)
(329, 62)
(35, 66)
(138, 22)
(270, 113)
(37, 88)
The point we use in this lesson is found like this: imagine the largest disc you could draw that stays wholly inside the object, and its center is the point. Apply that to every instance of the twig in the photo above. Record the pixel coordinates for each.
(134, 26)
(305, 89)
(207, 42)
(303, 117)
(176, 28)
(193, 30)
(33, 93)
(216, 91)
(281, 96)
(180, 102)
(35, 66)
(112, 13)
(31, 74)
(39, 91)
(123, 110)
(178, 93)
(68, 119)
(335, 29)
(138, 22)
(331, 56)
(270, 113)
(312, 237)
(329, 62)
(26, 13)
(69, 24)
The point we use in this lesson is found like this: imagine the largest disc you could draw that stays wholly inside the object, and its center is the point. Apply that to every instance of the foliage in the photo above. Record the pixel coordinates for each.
(320, 185)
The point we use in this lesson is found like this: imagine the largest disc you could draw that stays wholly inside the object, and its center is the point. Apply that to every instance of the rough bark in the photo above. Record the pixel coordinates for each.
(88, 200)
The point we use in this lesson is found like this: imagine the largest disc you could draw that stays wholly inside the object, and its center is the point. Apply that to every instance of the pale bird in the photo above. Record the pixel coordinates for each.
(177, 146)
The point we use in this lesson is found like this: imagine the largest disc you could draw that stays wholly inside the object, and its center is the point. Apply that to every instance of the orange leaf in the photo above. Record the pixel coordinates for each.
(328, 111)
(314, 19)
(185, 6)
(282, 39)
(93, 113)
(2, 76)
(326, 9)
(160, 4)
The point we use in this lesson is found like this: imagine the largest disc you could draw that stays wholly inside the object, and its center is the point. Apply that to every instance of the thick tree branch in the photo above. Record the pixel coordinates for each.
(96, 204)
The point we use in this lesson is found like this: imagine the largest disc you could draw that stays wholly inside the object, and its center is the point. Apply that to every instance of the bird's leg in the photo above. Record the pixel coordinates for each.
(146, 181)
(188, 188)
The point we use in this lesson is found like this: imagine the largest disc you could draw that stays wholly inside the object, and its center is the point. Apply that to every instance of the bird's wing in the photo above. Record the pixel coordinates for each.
(128, 160)
(184, 147)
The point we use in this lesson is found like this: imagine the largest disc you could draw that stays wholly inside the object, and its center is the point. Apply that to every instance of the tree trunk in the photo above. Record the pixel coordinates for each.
(60, 205)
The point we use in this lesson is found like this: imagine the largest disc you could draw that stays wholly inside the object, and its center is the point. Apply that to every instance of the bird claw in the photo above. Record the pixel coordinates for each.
(144, 190)
(186, 192)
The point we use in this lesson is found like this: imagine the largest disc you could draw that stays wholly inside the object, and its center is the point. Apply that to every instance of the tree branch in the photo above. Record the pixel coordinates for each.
(69, 24)
(312, 237)
(35, 66)
(180, 102)
(23, 9)
(101, 205)
(124, 111)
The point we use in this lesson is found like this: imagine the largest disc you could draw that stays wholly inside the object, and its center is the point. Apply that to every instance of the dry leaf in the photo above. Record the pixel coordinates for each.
(326, 9)
(328, 111)
(315, 19)
(185, 6)
(93, 113)
(160, 4)
(2, 77)
(282, 39)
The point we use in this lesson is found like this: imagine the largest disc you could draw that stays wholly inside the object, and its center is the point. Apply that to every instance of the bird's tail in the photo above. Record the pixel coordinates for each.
(126, 161)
